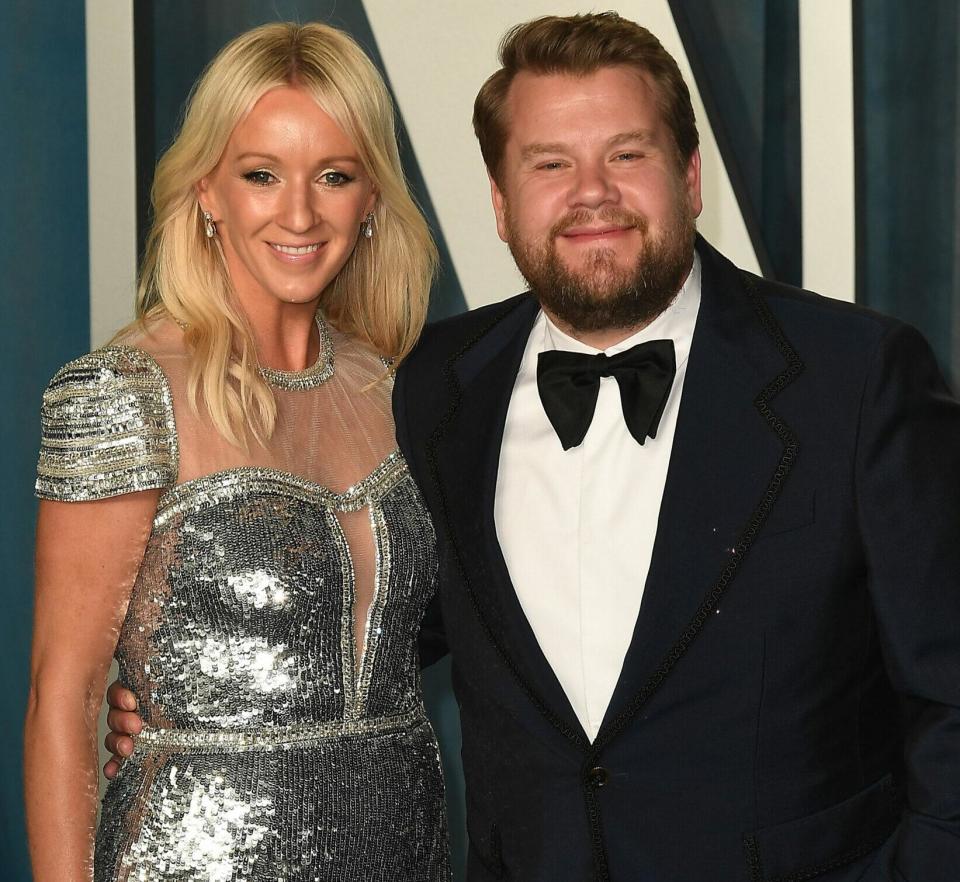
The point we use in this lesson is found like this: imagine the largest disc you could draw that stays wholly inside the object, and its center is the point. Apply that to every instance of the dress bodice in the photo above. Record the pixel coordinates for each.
(282, 584)
(243, 614)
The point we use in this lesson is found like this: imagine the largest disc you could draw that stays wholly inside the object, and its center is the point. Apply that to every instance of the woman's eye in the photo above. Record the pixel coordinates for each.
(335, 178)
(261, 177)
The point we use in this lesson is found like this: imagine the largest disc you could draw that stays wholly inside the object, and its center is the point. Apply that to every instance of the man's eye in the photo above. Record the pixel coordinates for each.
(626, 157)
(550, 166)
(261, 177)
(335, 178)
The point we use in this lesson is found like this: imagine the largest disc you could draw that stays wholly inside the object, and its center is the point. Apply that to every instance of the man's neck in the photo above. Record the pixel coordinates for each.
(600, 339)
(604, 338)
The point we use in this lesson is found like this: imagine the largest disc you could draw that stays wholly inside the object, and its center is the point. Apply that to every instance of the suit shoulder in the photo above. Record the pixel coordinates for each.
(805, 315)
(444, 338)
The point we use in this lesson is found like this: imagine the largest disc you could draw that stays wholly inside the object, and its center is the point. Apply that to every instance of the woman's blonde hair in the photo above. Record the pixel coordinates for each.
(379, 296)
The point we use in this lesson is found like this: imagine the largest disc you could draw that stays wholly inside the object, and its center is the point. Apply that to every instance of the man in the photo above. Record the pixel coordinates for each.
(698, 531)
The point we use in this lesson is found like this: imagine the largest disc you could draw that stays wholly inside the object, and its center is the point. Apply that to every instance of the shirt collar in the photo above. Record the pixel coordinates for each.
(675, 323)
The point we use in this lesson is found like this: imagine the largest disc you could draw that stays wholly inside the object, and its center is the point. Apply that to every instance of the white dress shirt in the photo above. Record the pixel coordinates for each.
(577, 527)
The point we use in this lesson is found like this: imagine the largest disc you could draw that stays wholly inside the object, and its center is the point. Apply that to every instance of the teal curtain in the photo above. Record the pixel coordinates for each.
(745, 56)
(907, 86)
(46, 320)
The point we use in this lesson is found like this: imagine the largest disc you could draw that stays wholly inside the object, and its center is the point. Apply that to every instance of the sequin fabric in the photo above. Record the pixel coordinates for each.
(282, 740)
(106, 422)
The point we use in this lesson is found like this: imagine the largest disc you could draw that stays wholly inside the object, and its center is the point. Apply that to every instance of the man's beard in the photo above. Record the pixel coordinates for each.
(601, 295)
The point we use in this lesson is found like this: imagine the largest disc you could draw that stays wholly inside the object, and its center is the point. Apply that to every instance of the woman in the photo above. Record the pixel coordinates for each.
(222, 506)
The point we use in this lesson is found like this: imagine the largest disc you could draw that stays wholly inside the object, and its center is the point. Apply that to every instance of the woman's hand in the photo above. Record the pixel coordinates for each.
(87, 558)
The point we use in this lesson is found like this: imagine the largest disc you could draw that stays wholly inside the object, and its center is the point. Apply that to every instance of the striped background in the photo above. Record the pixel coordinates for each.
(830, 129)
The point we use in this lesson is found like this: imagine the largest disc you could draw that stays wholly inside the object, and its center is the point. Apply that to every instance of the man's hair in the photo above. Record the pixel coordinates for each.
(579, 45)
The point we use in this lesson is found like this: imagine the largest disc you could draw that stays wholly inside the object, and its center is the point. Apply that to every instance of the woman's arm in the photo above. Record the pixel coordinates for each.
(87, 558)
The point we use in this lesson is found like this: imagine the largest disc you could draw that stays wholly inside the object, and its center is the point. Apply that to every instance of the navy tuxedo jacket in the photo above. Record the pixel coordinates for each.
(789, 707)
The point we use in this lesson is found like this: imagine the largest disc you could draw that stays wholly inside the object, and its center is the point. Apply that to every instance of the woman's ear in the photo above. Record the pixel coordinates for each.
(205, 197)
(372, 202)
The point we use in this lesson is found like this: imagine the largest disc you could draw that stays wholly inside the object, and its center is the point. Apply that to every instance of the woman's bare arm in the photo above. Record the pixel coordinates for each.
(87, 558)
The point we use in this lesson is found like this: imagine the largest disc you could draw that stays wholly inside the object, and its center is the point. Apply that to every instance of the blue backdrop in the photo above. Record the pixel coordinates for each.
(43, 252)
(745, 56)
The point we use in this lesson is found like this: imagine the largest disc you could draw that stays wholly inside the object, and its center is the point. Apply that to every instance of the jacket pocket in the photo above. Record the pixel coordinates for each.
(484, 860)
(792, 512)
(826, 840)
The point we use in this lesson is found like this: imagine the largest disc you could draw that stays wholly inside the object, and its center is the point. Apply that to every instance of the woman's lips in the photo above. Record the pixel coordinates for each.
(289, 253)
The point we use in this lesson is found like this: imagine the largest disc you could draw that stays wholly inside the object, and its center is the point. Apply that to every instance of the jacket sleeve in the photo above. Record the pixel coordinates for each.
(908, 496)
(432, 641)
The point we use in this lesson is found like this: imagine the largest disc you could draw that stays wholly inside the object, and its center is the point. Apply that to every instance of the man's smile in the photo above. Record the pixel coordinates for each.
(584, 234)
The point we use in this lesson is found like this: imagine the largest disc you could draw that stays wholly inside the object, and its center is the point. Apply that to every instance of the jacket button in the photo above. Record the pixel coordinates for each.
(598, 776)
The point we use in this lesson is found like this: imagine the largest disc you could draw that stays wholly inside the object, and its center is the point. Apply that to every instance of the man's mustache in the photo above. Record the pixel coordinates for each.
(584, 218)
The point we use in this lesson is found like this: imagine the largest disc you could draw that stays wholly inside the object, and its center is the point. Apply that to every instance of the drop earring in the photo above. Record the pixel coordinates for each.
(366, 226)
(209, 227)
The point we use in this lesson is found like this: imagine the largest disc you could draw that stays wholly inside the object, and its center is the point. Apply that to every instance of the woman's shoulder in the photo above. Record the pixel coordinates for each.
(104, 371)
(139, 350)
(160, 338)
(357, 358)
(107, 426)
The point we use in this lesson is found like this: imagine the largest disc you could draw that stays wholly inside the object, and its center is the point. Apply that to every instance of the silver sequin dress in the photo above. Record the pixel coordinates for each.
(270, 635)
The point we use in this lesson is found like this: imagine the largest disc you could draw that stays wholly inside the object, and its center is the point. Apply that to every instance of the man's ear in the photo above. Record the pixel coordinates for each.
(691, 179)
(499, 207)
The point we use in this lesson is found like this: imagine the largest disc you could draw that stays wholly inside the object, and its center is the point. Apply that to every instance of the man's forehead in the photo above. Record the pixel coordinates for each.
(527, 84)
(540, 98)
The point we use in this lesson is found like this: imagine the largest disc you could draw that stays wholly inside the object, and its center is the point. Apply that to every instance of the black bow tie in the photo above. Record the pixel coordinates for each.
(569, 383)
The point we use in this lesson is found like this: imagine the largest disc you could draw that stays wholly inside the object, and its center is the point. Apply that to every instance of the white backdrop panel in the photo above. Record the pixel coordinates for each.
(437, 56)
(111, 162)
(826, 101)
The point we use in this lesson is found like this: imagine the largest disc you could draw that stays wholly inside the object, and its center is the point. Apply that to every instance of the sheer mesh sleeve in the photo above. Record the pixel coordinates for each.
(107, 428)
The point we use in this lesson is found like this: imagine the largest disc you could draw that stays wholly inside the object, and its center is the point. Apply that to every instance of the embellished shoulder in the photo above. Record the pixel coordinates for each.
(107, 428)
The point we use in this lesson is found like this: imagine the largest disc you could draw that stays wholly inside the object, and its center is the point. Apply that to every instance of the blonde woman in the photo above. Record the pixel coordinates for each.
(223, 507)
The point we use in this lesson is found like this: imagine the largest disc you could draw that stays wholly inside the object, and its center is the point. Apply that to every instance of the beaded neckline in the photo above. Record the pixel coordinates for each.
(310, 377)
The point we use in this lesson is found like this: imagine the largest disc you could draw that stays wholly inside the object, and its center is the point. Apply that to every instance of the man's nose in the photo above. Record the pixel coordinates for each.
(593, 187)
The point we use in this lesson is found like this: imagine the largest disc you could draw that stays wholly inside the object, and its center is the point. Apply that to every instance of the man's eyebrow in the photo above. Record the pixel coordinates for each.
(635, 135)
(539, 148)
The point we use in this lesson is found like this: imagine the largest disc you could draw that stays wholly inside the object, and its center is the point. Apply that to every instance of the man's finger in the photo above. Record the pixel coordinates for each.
(111, 768)
(119, 697)
(124, 722)
(119, 745)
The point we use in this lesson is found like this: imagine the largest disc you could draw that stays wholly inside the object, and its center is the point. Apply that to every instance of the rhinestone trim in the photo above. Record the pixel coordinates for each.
(108, 428)
(309, 378)
(348, 643)
(279, 738)
(373, 624)
(231, 483)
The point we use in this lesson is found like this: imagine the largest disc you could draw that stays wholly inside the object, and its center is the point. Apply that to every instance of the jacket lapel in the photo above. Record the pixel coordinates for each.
(466, 456)
(730, 455)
